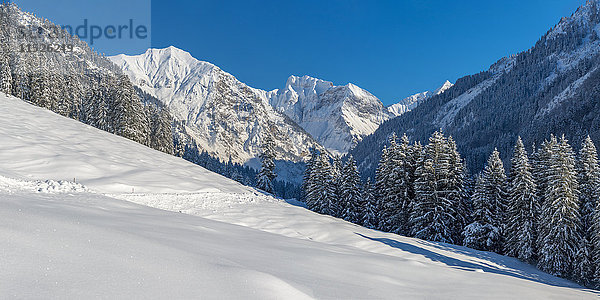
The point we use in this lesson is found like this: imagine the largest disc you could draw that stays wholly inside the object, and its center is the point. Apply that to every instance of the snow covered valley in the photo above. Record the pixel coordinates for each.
(138, 223)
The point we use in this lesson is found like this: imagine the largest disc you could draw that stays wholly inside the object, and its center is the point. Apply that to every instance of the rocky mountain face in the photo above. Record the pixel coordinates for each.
(409, 103)
(553, 87)
(336, 116)
(225, 117)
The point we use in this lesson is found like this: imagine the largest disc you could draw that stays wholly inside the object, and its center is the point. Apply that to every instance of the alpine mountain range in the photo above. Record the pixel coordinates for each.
(227, 117)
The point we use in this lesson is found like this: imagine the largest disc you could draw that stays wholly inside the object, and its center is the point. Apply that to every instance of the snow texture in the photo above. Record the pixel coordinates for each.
(209, 238)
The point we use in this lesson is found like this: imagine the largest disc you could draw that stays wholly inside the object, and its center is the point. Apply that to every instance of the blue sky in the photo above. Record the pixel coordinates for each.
(391, 48)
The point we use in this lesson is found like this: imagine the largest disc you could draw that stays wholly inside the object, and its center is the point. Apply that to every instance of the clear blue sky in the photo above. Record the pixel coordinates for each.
(391, 48)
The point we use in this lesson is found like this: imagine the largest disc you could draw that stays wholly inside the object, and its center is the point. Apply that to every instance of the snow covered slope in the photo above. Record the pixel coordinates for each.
(336, 116)
(210, 237)
(226, 117)
(409, 103)
(36, 143)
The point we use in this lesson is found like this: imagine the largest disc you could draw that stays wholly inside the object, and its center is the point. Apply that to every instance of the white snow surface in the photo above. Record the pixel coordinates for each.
(36, 144)
(187, 233)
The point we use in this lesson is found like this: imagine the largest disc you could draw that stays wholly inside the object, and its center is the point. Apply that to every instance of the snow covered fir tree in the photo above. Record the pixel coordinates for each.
(266, 175)
(545, 212)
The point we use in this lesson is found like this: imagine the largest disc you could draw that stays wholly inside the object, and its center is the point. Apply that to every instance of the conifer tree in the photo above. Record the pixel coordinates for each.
(589, 186)
(127, 115)
(523, 208)
(434, 209)
(267, 171)
(369, 216)
(457, 193)
(161, 135)
(404, 168)
(350, 187)
(321, 197)
(336, 181)
(382, 181)
(5, 73)
(307, 179)
(489, 205)
(559, 236)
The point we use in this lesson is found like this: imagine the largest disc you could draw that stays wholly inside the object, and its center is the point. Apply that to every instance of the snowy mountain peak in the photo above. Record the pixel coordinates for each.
(336, 116)
(307, 85)
(225, 117)
(443, 88)
(409, 103)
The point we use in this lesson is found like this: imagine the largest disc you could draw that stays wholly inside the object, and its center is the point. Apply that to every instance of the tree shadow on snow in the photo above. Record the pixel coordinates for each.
(502, 264)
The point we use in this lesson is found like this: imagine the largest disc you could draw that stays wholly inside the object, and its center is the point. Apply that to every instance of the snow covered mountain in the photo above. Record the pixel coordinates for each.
(225, 117)
(409, 103)
(336, 116)
(552, 87)
(186, 232)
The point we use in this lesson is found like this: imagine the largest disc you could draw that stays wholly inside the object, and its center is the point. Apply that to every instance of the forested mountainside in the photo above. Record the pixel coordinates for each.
(553, 87)
(43, 64)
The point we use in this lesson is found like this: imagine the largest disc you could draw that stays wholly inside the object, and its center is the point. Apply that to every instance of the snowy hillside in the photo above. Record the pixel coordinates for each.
(38, 144)
(336, 116)
(226, 117)
(409, 103)
(210, 237)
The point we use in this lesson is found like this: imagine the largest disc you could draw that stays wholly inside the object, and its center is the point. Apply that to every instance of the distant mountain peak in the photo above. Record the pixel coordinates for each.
(225, 117)
(409, 103)
(336, 116)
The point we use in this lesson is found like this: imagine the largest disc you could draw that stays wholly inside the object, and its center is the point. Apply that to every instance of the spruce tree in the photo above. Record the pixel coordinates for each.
(336, 181)
(5, 73)
(369, 216)
(350, 187)
(434, 211)
(307, 179)
(457, 194)
(489, 204)
(404, 168)
(523, 208)
(267, 171)
(559, 237)
(382, 181)
(161, 134)
(589, 186)
(323, 189)
(126, 113)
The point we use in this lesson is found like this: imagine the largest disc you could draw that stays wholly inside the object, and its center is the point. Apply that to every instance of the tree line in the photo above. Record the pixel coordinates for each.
(81, 84)
(545, 211)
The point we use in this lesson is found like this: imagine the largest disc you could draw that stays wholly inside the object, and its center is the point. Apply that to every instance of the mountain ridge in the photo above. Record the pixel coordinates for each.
(184, 84)
(549, 88)
(225, 117)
